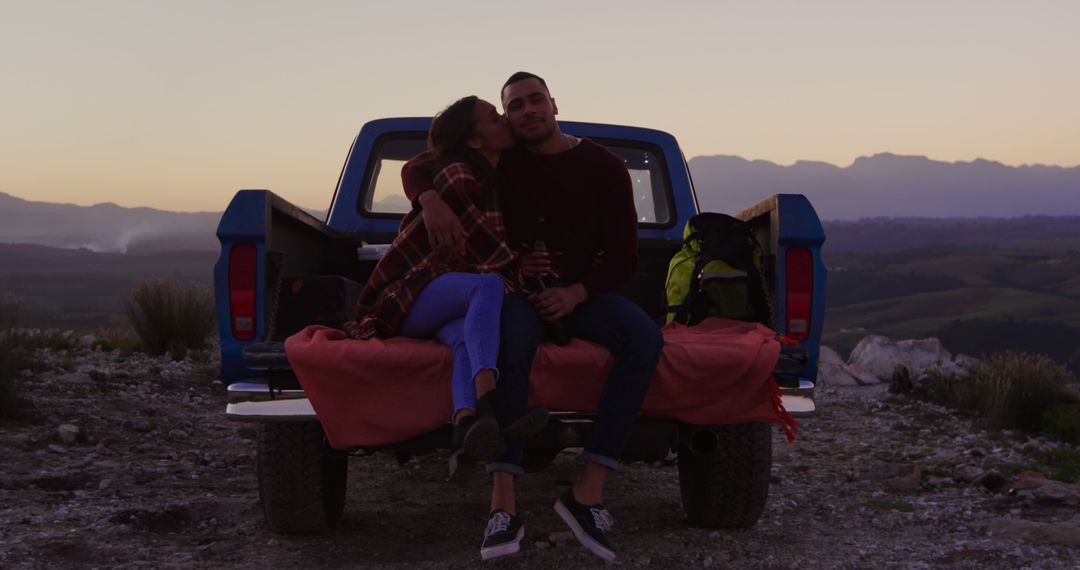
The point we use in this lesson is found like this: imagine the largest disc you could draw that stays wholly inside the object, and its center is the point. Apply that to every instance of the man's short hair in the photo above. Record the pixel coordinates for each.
(522, 76)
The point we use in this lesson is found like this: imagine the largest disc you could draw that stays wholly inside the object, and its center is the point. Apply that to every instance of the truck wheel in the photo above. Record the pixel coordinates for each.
(301, 480)
(724, 480)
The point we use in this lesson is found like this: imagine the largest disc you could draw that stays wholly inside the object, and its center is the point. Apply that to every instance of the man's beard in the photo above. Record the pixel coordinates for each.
(535, 137)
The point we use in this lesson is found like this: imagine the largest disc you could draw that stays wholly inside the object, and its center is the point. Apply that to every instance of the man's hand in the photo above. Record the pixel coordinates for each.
(557, 302)
(535, 264)
(444, 230)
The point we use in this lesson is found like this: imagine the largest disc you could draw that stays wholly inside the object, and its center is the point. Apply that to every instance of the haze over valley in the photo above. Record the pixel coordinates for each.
(878, 186)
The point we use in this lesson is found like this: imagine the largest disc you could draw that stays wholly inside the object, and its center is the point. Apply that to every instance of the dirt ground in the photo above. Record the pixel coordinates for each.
(130, 462)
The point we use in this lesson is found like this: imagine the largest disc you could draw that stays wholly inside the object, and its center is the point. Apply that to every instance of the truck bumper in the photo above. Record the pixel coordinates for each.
(799, 401)
(256, 402)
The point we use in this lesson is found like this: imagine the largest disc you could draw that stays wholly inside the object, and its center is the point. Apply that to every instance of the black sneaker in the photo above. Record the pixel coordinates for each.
(590, 524)
(480, 438)
(502, 536)
(529, 423)
(462, 468)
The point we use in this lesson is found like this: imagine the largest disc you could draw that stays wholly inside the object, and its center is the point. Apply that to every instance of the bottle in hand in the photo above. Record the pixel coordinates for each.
(554, 331)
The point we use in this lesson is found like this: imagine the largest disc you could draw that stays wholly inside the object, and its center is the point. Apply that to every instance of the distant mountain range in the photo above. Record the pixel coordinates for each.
(104, 227)
(889, 185)
(879, 186)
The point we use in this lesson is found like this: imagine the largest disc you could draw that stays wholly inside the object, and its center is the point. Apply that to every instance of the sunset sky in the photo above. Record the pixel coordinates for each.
(176, 105)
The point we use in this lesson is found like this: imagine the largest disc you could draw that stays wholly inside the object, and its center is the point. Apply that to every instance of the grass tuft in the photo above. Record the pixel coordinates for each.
(9, 392)
(14, 357)
(49, 340)
(120, 338)
(1065, 465)
(1019, 387)
(1063, 421)
(171, 317)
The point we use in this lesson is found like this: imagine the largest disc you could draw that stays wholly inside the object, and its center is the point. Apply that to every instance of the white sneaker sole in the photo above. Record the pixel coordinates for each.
(504, 549)
(582, 536)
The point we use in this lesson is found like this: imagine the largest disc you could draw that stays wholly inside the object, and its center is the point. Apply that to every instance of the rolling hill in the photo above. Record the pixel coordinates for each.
(917, 293)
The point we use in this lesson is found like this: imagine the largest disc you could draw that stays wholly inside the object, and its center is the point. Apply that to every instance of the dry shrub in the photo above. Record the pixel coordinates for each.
(49, 340)
(1019, 387)
(1014, 390)
(121, 338)
(9, 395)
(963, 393)
(13, 357)
(168, 315)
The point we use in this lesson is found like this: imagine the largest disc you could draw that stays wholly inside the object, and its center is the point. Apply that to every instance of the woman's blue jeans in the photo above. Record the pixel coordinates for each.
(462, 311)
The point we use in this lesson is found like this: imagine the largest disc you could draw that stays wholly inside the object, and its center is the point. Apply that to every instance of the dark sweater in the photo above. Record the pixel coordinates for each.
(586, 199)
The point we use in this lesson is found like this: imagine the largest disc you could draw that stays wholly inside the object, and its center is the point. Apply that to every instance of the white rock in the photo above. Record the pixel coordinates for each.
(1040, 532)
(924, 355)
(1047, 490)
(880, 357)
(68, 433)
(75, 378)
(833, 371)
(876, 355)
(862, 376)
(966, 362)
(561, 536)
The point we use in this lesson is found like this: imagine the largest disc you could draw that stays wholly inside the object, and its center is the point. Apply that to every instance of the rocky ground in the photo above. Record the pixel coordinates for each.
(130, 462)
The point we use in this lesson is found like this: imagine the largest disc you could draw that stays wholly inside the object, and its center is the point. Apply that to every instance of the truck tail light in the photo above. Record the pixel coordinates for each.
(243, 271)
(799, 294)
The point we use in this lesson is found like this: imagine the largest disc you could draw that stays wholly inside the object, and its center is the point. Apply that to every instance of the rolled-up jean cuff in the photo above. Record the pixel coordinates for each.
(601, 460)
(515, 470)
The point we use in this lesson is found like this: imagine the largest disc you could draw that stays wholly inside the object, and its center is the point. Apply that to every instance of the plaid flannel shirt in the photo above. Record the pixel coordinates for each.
(411, 263)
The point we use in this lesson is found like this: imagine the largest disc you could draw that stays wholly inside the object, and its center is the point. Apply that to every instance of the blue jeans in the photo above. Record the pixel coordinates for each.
(461, 310)
(608, 319)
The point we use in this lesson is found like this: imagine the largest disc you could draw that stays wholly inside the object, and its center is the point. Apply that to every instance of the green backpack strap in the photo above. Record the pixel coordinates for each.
(691, 311)
(677, 308)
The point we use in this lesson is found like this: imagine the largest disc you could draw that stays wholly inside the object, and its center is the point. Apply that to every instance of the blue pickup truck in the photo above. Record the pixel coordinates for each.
(282, 269)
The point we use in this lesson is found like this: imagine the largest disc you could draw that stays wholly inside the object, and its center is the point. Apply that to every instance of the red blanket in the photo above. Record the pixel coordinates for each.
(376, 392)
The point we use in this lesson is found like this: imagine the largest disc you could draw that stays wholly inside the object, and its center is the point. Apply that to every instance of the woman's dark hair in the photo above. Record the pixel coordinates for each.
(448, 139)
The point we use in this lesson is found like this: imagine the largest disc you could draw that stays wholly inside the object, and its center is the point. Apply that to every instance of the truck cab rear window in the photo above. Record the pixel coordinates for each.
(384, 195)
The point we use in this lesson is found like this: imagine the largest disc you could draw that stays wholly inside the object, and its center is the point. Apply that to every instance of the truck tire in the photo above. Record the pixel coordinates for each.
(725, 482)
(301, 479)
